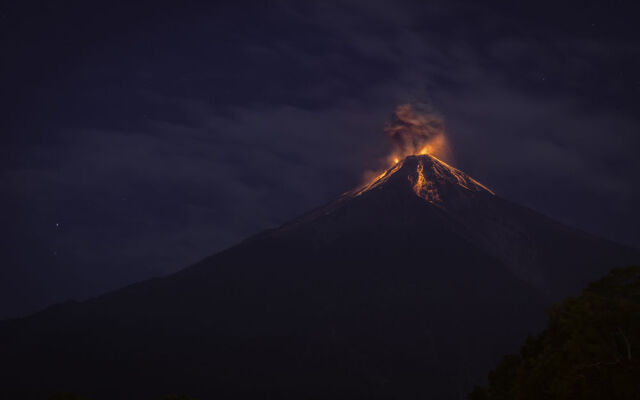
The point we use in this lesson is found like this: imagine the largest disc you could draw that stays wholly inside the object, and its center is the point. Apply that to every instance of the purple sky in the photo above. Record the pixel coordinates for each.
(139, 139)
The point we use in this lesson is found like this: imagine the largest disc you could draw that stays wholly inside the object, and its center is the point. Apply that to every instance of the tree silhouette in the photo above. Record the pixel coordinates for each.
(589, 350)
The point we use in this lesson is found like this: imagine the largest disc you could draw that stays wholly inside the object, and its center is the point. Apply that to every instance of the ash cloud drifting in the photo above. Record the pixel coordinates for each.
(417, 129)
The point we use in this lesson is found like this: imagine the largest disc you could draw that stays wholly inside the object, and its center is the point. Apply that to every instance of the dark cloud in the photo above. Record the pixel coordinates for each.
(154, 136)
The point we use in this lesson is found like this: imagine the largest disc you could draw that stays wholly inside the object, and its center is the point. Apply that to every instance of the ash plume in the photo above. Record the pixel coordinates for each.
(416, 129)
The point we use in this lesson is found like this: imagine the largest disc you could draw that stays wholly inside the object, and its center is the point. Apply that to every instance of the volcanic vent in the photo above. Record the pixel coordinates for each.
(411, 286)
(430, 178)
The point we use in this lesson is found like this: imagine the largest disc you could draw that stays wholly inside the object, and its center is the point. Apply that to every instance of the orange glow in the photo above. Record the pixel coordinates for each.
(423, 187)
(416, 130)
(413, 130)
(436, 147)
(417, 187)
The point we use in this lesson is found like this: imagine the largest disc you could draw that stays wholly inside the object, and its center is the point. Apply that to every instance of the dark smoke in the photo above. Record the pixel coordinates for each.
(416, 129)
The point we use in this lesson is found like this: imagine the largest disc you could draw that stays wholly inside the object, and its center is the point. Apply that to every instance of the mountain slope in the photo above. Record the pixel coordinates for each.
(412, 286)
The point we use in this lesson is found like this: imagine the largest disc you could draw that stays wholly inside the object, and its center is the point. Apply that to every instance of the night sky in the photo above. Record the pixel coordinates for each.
(137, 139)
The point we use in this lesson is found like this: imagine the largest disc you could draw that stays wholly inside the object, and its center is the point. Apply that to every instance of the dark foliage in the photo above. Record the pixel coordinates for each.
(590, 349)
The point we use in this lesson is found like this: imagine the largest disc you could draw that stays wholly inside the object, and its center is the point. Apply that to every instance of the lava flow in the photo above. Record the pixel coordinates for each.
(413, 130)
(417, 131)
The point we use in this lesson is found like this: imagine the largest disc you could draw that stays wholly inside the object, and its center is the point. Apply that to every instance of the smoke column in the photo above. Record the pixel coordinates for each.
(417, 129)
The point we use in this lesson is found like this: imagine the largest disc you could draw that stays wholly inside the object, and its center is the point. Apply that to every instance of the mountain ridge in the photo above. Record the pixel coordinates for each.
(381, 293)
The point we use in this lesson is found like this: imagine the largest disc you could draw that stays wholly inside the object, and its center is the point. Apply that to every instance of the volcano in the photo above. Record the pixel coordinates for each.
(411, 286)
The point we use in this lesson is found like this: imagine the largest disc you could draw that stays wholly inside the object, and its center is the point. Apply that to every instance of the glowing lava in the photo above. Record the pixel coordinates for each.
(416, 130)
(413, 130)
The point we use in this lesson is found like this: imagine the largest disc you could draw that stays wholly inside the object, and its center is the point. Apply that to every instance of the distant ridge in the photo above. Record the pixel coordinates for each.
(411, 286)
